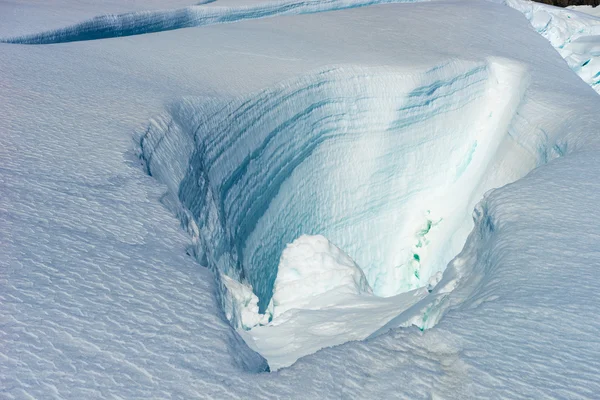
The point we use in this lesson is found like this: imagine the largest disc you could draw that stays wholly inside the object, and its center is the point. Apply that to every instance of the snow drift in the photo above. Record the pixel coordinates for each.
(311, 267)
(574, 34)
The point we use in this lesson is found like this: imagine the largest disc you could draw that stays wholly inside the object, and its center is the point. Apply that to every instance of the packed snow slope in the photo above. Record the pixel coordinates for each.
(595, 11)
(99, 298)
(25, 17)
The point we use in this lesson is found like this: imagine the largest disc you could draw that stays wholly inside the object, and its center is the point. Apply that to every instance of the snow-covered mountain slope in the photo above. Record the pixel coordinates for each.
(100, 300)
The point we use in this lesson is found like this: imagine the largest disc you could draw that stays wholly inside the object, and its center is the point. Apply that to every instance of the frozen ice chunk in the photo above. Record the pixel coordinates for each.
(311, 268)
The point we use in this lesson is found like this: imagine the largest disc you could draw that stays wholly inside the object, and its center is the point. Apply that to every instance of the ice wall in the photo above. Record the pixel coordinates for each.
(138, 23)
(385, 163)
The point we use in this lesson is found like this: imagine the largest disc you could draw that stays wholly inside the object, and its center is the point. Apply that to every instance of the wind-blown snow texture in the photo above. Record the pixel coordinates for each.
(99, 298)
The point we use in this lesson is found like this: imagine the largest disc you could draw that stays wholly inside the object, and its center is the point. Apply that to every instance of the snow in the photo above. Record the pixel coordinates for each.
(241, 305)
(311, 269)
(574, 34)
(595, 11)
(136, 23)
(21, 17)
(102, 292)
(321, 298)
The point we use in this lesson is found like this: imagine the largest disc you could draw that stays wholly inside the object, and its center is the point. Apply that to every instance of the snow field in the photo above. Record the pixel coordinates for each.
(142, 22)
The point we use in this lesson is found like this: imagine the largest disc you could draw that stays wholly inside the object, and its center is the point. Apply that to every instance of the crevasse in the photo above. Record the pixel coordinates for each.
(385, 163)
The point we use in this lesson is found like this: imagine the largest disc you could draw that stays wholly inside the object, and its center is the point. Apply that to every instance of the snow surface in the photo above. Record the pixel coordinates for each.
(137, 23)
(574, 34)
(100, 299)
(258, 172)
(595, 11)
(310, 268)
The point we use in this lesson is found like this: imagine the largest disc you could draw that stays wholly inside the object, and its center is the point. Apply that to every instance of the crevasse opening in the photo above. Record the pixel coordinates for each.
(385, 164)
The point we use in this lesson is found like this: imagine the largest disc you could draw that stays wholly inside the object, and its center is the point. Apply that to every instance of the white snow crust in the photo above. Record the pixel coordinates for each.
(380, 128)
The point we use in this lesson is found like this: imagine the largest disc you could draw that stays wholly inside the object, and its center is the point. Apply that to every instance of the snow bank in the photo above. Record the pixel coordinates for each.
(321, 298)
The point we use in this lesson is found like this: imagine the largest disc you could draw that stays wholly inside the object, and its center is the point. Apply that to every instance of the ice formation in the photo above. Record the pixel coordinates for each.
(387, 164)
(137, 23)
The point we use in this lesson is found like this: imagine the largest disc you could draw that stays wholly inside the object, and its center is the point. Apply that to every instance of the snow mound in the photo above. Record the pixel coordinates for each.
(312, 268)
(138, 23)
(595, 11)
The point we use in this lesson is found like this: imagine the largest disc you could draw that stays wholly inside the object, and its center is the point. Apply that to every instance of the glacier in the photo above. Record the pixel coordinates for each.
(573, 33)
(446, 179)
